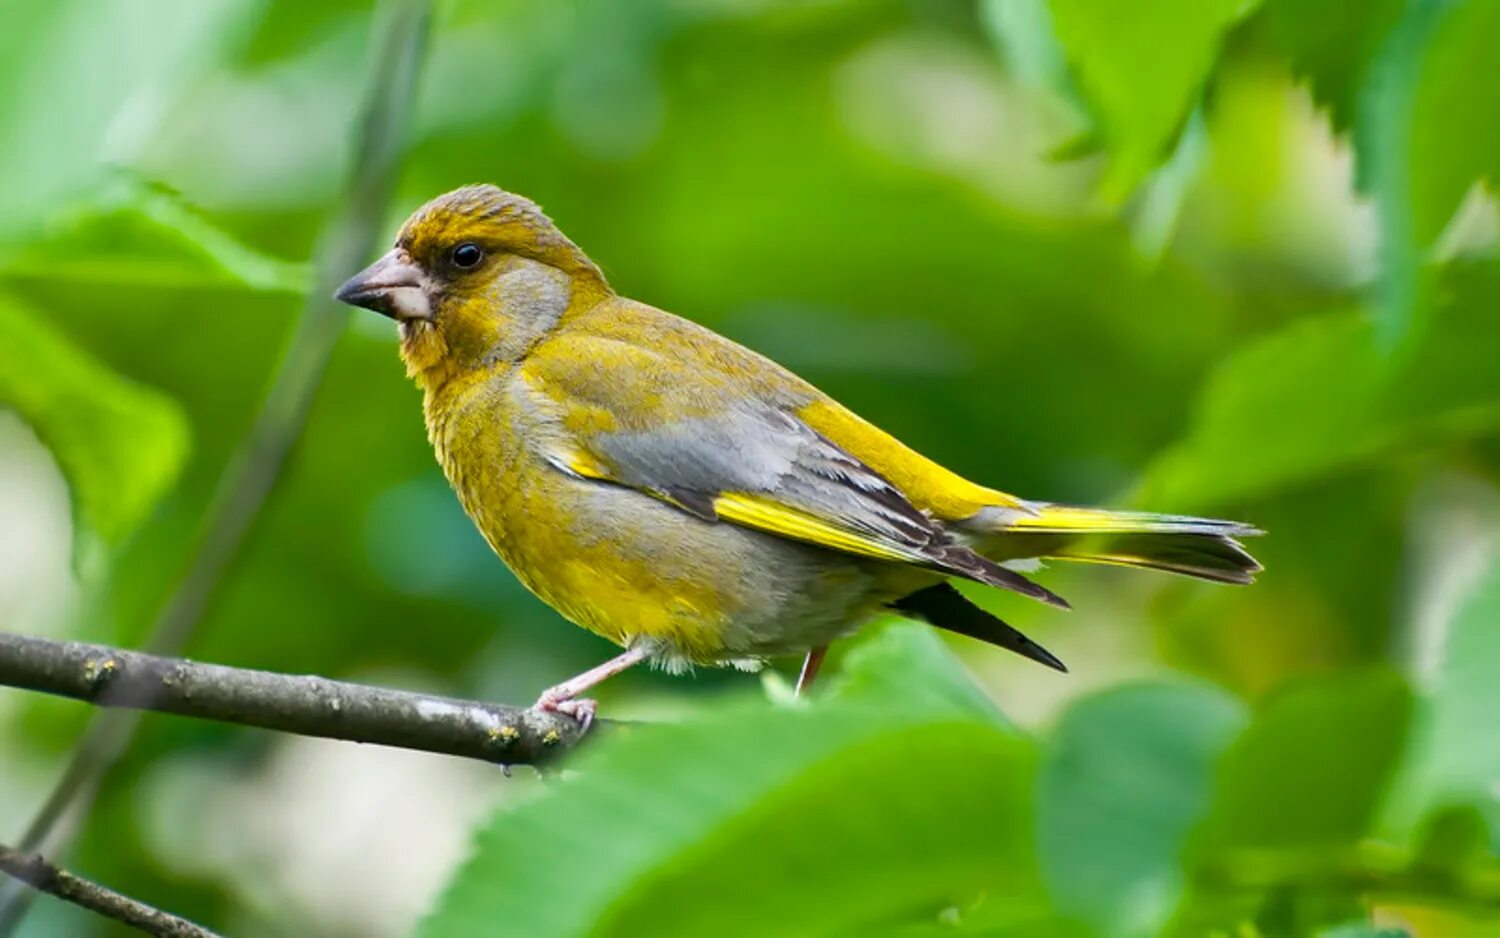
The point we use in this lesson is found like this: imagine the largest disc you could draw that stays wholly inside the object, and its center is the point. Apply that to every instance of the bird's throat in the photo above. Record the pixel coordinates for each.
(425, 353)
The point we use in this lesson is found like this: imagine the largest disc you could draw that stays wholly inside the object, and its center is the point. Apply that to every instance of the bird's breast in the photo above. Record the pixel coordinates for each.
(628, 566)
(475, 435)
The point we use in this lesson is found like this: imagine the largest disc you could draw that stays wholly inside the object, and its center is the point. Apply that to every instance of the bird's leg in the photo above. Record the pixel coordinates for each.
(810, 666)
(563, 698)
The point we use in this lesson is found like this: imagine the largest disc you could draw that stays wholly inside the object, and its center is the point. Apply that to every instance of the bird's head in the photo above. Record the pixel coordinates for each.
(475, 277)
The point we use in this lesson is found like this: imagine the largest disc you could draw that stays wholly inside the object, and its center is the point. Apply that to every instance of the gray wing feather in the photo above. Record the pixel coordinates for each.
(770, 452)
(764, 450)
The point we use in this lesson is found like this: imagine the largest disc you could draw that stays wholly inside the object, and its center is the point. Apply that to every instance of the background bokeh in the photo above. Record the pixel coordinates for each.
(1232, 258)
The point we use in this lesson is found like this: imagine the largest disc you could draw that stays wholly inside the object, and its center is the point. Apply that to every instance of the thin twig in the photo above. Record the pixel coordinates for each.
(252, 473)
(34, 871)
(290, 703)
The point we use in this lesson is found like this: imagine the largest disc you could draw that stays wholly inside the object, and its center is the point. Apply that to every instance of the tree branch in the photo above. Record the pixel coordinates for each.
(291, 703)
(42, 876)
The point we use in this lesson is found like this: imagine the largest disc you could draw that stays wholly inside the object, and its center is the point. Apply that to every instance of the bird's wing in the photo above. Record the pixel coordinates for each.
(688, 428)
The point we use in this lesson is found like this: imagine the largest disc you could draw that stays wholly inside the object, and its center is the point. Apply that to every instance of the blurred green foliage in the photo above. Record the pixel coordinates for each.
(1140, 88)
(120, 444)
(1236, 257)
(931, 797)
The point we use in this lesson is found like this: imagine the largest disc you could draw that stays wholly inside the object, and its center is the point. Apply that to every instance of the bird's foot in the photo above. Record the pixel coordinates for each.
(581, 709)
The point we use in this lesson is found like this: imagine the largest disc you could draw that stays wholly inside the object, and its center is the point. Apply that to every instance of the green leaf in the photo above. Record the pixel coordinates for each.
(1128, 773)
(1270, 417)
(1431, 128)
(905, 664)
(1295, 793)
(1323, 395)
(1311, 769)
(866, 813)
(118, 71)
(1458, 706)
(1155, 215)
(1455, 129)
(1141, 67)
(1022, 29)
(120, 444)
(129, 232)
(758, 821)
(285, 30)
(1452, 841)
(1331, 43)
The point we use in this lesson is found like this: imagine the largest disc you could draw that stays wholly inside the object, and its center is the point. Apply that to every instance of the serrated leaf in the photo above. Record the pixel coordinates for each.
(759, 821)
(1331, 44)
(1430, 128)
(1141, 67)
(131, 233)
(1455, 130)
(120, 444)
(1127, 774)
(1323, 394)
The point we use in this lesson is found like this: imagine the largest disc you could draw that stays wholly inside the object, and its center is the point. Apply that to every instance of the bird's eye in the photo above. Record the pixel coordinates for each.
(467, 255)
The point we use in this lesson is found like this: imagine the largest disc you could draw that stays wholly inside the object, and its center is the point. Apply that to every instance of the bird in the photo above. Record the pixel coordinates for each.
(686, 498)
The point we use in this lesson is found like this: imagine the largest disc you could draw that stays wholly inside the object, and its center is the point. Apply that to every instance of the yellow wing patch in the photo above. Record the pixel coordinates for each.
(929, 486)
(758, 511)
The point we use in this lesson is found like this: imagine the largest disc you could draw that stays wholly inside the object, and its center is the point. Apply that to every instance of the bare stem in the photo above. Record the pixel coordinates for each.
(34, 871)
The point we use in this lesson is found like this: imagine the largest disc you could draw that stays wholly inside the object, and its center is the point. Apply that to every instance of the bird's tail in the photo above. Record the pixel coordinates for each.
(1197, 547)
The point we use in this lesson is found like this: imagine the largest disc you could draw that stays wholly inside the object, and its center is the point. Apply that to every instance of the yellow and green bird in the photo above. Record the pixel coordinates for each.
(684, 497)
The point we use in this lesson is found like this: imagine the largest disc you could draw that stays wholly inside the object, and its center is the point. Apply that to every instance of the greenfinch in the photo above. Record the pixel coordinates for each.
(682, 496)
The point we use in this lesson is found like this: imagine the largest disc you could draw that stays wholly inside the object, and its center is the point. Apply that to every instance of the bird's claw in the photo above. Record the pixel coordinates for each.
(581, 709)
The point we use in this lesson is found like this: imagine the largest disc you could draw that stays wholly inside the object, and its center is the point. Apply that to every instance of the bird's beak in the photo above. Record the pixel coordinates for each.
(393, 286)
